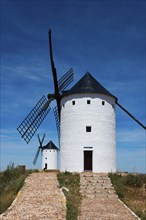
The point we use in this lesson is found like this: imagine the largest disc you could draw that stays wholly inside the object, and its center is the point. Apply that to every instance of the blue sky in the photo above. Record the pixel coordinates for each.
(106, 38)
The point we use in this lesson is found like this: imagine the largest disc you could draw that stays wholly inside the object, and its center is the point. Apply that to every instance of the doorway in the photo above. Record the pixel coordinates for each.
(88, 160)
(45, 168)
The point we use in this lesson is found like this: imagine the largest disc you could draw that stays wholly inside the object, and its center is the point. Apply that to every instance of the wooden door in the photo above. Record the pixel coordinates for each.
(87, 160)
(45, 166)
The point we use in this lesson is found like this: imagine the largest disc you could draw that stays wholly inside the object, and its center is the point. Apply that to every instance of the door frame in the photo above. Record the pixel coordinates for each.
(91, 162)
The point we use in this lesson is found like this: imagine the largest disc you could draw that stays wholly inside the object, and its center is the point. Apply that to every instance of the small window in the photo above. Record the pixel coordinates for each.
(88, 102)
(73, 102)
(103, 102)
(63, 105)
(46, 158)
(88, 128)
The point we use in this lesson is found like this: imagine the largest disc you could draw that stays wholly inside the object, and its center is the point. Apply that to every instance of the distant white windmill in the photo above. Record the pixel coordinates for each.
(49, 155)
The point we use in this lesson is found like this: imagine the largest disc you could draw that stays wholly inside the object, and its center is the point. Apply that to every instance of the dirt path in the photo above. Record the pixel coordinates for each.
(100, 201)
(39, 199)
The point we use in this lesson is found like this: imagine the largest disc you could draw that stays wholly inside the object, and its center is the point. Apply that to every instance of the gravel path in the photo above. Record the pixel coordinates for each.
(100, 201)
(39, 199)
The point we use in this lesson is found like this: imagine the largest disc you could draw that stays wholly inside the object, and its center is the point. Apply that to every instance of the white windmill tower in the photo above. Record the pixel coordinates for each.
(50, 156)
(88, 128)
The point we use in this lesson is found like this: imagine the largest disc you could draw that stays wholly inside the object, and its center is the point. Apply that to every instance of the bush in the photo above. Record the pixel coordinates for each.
(73, 197)
(143, 178)
(117, 181)
(133, 180)
(128, 189)
(12, 179)
(141, 215)
(72, 211)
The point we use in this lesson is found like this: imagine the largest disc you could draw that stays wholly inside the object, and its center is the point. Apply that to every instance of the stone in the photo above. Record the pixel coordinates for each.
(39, 199)
(100, 201)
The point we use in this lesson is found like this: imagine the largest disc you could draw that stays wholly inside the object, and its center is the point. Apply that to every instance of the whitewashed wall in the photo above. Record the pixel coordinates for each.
(49, 157)
(102, 139)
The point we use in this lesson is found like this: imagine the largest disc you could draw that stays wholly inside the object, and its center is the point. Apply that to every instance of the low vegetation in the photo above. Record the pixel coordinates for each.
(11, 181)
(131, 189)
(72, 182)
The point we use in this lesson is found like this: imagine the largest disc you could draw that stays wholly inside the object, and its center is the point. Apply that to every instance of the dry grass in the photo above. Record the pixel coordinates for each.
(73, 196)
(131, 189)
(11, 181)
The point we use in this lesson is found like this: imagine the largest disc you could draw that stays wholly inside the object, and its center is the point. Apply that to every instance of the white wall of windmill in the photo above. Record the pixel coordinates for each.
(49, 159)
(100, 115)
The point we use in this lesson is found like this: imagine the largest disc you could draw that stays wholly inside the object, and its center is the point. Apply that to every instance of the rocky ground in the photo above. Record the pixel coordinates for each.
(100, 201)
(39, 199)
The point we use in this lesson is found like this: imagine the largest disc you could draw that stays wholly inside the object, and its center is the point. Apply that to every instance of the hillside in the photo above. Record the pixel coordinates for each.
(131, 189)
(11, 181)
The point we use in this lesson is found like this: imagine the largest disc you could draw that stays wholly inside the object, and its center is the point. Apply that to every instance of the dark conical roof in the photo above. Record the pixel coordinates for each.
(50, 145)
(87, 84)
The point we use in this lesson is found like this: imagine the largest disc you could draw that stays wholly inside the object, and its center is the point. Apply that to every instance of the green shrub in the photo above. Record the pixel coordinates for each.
(133, 180)
(72, 211)
(73, 197)
(117, 181)
(126, 185)
(143, 178)
(141, 215)
(11, 181)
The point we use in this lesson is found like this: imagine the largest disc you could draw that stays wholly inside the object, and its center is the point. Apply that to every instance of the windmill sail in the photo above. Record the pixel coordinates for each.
(36, 156)
(31, 123)
(65, 80)
(54, 74)
(131, 115)
(39, 148)
(41, 141)
(57, 123)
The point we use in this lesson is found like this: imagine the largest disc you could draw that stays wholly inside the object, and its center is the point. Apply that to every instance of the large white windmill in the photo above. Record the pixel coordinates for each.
(86, 122)
(88, 128)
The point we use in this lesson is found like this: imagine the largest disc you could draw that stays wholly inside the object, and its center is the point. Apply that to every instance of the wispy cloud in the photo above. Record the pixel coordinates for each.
(35, 73)
(132, 136)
